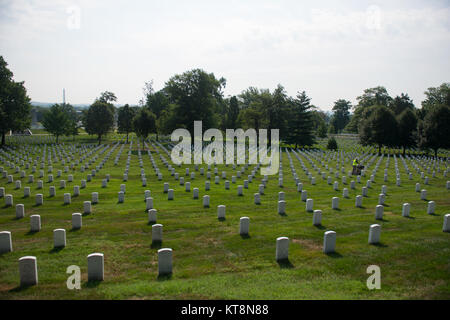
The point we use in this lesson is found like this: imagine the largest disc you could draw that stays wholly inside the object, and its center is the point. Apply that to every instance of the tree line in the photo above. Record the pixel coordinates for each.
(379, 119)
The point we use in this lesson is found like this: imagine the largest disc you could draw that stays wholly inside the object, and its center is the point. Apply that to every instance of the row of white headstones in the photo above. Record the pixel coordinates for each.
(282, 244)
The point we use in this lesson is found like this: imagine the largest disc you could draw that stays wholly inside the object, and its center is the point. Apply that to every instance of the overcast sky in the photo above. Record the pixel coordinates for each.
(331, 49)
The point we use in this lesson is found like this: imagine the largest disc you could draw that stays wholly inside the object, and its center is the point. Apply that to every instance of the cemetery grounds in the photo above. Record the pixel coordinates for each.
(210, 259)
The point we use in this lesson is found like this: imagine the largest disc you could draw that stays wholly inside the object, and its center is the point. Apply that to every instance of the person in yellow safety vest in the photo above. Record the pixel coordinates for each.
(355, 162)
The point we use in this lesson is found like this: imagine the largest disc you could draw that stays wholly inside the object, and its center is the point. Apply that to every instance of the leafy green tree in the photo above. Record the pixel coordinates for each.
(377, 96)
(401, 103)
(233, 113)
(322, 130)
(125, 119)
(107, 97)
(332, 144)
(379, 128)
(341, 116)
(435, 97)
(99, 119)
(15, 105)
(144, 123)
(57, 121)
(407, 129)
(434, 131)
(300, 124)
(196, 95)
(251, 117)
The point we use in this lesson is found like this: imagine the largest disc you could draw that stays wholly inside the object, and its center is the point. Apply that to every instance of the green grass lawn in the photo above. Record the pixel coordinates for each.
(210, 259)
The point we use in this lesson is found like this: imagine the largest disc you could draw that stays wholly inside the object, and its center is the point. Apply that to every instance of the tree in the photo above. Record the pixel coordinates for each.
(57, 121)
(435, 129)
(196, 95)
(233, 113)
(401, 103)
(322, 130)
(107, 97)
(251, 117)
(341, 116)
(15, 105)
(407, 129)
(72, 127)
(377, 96)
(99, 119)
(332, 144)
(144, 123)
(300, 124)
(435, 97)
(125, 119)
(379, 128)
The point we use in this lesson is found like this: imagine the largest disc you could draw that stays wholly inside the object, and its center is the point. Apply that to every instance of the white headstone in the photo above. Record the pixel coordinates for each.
(206, 201)
(157, 231)
(87, 208)
(282, 249)
(39, 199)
(446, 226)
(9, 200)
(5, 242)
(379, 210)
(77, 221)
(164, 261)
(309, 205)
(244, 224)
(94, 197)
(28, 271)
(67, 198)
(35, 223)
(221, 212)
(95, 267)
(281, 207)
(170, 194)
(374, 233)
(59, 238)
(406, 209)
(329, 242)
(20, 211)
(152, 215)
(257, 197)
(431, 207)
(317, 217)
(358, 201)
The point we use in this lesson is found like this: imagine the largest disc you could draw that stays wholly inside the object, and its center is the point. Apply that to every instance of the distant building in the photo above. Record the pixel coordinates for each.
(26, 132)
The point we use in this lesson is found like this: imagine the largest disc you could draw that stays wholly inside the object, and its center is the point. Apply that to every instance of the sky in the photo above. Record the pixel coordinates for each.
(331, 49)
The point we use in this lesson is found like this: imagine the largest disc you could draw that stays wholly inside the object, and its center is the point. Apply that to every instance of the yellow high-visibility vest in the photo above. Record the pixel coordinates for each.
(355, 162)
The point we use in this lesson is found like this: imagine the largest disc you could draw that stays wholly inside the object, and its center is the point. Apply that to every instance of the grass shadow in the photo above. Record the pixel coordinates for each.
(409, 217)
(20, 288)
(85, 214)
(320, 227)
(434, 214)
(335, 255)
(56, 249)
(283, 214)
(164, 277)
(30, 233)
(386, 205)
(150, 223)
(156, 245)
(337, 209)
(380, 245)
(91, 284)
(382, 220)
(221, 219)
(74, 230)
(245, 236)
(285, 264)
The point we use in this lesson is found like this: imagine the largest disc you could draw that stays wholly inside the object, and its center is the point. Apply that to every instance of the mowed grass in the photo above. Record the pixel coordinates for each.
(210, 259)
